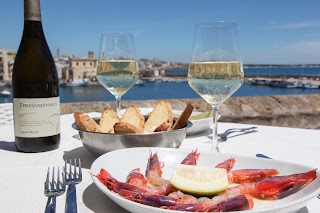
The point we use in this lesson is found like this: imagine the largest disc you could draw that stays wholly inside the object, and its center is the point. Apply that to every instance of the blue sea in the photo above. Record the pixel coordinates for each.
(181, 90)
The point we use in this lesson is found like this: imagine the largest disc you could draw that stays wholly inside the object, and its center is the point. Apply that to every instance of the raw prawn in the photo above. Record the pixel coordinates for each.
(154, 171)
(157, 185)
(168, 202)
(245, 175)
(227, 164)
(237, 203)
(250, 175)
(154, 167)
(268, 188)
(184, 198)
(191, 158)
(148, 199)
(115, 185)
(137, 179)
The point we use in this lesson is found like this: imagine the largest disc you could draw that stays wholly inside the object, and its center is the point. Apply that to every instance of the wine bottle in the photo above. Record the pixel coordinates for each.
(36, 102)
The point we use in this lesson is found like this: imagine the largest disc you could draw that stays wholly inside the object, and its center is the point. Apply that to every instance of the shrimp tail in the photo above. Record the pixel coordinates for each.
(227, 164)
(237, 203)
(191, 158)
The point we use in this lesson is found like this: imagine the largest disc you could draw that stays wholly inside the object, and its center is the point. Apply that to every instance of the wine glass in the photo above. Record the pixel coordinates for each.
(117, 68)
(215, 71)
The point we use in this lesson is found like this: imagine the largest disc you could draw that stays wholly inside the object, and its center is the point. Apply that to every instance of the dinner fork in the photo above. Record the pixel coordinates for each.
(223, 136)
(73, 177)
(54, 188)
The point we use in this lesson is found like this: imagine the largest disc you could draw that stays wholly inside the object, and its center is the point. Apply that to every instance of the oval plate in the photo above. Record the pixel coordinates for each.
(120, 162)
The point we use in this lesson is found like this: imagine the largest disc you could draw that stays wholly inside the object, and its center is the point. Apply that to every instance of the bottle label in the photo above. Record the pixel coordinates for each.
(32, 10)
(36, 117)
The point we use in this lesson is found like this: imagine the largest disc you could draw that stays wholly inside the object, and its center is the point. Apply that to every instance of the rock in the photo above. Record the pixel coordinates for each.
(301, 111)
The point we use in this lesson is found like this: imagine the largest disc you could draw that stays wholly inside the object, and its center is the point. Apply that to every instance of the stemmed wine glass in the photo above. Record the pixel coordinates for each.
(215, 71)
(117, 68)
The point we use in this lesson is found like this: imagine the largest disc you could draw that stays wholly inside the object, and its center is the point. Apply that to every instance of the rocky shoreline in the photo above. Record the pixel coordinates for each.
(300, 111)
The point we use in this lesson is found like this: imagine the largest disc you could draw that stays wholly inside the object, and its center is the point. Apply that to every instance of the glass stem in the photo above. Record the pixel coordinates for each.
(215, 147)
(118, 104)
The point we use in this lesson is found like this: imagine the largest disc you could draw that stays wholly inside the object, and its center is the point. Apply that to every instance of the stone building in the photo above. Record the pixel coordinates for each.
(80, 68)
(6, 65)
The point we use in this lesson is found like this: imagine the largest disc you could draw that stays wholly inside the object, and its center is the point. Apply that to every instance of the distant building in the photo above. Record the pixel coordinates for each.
(6, 65)
(80, 68)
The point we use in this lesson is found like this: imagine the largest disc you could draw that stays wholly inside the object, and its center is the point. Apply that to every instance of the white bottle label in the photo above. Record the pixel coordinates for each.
(36, 117)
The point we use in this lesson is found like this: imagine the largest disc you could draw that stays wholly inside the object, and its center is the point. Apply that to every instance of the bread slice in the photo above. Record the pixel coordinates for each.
(77, 116)
(133, 116)
(85, 122)
(183, 118)
(160, 115)
(163, 127)
(122, 127)
(107, 120)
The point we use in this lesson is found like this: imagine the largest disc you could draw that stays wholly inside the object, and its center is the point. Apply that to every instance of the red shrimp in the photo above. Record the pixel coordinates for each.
(137, 179)
(191, 158)
(268, 188)
(237, 203)
(227, 164)
(115, 185)
(154, 171)
(250, 175)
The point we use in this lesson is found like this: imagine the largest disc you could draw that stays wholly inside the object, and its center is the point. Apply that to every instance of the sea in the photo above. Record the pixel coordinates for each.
(180, 90)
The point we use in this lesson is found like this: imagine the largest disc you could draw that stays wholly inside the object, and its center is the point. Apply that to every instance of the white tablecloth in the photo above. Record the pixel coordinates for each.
(23, 174)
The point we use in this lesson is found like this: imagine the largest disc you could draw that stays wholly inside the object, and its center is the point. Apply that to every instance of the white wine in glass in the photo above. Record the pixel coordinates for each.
(117, 69)
(216, 71)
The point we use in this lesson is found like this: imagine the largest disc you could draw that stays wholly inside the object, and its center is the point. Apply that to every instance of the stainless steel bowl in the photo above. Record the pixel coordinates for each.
(100, 143)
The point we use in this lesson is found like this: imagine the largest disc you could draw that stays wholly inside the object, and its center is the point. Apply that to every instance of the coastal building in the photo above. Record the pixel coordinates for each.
(80, 68)
(6, 65)
(74, 69)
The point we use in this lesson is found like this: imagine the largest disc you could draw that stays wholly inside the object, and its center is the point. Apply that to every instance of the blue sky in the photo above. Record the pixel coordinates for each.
(270, 31)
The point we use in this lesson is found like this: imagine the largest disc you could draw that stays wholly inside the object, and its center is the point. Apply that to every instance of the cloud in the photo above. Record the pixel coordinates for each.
(294, 53)
(311, 48)
(297, 25)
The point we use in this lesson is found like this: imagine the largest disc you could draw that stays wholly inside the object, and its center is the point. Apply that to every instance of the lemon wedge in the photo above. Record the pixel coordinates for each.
(207, 114)
(200, 181)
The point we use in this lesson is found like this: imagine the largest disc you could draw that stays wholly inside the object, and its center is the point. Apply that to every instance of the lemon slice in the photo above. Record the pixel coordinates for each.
(200, 181)
(201, 116)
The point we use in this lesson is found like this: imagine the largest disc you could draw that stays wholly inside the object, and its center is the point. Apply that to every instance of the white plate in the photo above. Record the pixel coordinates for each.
(119, 163)
(198, 126)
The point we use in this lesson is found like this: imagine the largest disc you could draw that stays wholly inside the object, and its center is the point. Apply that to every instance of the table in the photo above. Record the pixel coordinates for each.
(23, 174)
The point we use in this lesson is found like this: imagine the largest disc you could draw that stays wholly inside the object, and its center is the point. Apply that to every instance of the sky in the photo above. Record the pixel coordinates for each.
(270, 31)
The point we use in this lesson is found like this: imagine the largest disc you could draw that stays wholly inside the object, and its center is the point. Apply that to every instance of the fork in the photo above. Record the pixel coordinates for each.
(223, 136)
(72, 178)
(54, 188)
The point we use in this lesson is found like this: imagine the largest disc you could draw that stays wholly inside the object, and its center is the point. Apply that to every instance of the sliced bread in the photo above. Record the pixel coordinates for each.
(122, 127)
(107, 120)
(160, 115)
(85, 122)
(77, 116)
(133, 116)
(183, 118)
